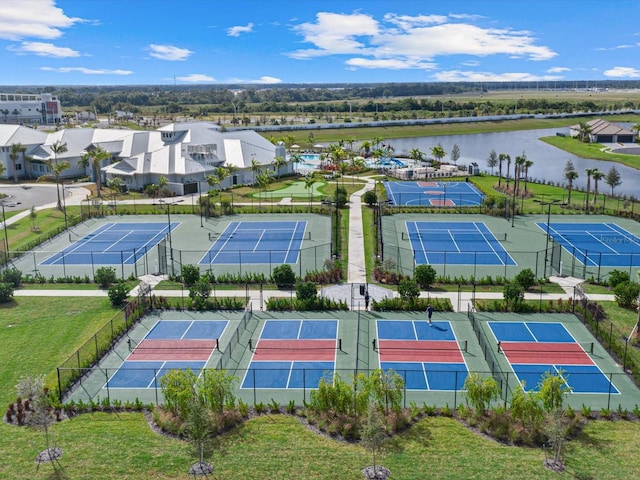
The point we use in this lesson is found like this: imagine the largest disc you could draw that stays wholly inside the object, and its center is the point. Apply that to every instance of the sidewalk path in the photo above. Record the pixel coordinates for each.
(356, 271)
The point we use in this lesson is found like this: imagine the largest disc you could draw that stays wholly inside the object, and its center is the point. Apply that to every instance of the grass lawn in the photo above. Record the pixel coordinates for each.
(38, 333)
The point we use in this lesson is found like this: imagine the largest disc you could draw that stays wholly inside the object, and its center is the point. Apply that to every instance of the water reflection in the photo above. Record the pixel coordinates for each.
(548, 161)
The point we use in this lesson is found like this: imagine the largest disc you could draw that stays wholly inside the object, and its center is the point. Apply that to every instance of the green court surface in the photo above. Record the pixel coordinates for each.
(523, 240)
(260, 350)
(296, 190)
(192, 237)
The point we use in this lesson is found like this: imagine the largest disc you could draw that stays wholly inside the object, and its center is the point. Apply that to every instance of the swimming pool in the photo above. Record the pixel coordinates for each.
(386, 162)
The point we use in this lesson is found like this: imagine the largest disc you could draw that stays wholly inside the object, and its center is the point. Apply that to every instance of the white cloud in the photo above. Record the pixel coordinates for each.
(461, 76)
(389, 64)
(625, 72)
(237, 30)
(268, 80)
(264, 80)
(197, 78)
(87, 71)
(169, 52)
(411, 40)
(44, 50)
(33, 19)
(558, 70)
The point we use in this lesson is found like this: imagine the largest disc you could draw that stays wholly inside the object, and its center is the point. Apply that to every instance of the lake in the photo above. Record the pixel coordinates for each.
(548, 161)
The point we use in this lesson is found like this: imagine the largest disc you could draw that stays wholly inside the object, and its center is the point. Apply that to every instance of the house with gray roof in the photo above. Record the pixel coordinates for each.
(184, 153)
(601, 131)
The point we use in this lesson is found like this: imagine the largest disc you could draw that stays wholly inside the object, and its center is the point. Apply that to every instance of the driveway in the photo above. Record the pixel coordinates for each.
(27, 195)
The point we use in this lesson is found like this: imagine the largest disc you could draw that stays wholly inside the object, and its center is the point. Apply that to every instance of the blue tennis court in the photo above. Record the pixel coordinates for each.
(433, 194)
(257, 243)
(293, 354)
(427, 357)
(593, 244)
(535, 348)
(112, 244)
(169, 345)
(455, 243)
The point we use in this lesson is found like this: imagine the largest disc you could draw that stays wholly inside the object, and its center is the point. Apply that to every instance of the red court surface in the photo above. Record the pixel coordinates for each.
(433, 351)
(166, 350)
(442, 203)
(295, 350)
(542, 353)
(428, 184)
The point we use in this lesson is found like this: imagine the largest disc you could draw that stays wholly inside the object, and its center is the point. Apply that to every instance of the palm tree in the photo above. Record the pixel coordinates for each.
(438, 153)
(17, 149)
(5, 114)
(97, 155)
(336, 154)
(570, 174)
(589, 172)
(501, 158)
(508, 159)
(263, 182)
(57, 148)
(278, 162)
(295, 158)
(528, 164)
(231, 169)
(2, 169)
(416, 154)
(308, 185)
(366, 148)
(255, 167)
(597, 175)
(584, 131)
(519, 166)
(222, 173)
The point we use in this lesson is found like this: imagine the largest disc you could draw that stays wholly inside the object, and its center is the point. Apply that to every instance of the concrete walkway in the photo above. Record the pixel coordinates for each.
(356, 272)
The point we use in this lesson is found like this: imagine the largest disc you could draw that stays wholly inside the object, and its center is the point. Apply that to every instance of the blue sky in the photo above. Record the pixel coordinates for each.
(162, 42)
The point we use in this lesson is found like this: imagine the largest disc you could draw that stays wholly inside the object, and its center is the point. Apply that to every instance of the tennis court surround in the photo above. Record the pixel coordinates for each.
(433, 194)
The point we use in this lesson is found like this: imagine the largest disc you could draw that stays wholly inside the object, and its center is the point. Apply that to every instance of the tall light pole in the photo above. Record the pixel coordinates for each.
(4, 227)
(168, 204)
(546, 250)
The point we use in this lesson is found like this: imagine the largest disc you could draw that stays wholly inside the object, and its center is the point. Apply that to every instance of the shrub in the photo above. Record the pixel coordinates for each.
(513, 295)
(190, 274)
(6, 292)
(481, 392)
(626, 293)
(370, 198)
(105, 276)
(283, 276)
(306, 290)
(526, 278)
(340, 197)
(408, 289)
(13, 276)
(425, 275)
(617, 277)
(199, 294)
(118, 293)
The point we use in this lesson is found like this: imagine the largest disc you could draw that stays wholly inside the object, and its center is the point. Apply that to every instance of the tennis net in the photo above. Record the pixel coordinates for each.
(452, 236)
(420, 345)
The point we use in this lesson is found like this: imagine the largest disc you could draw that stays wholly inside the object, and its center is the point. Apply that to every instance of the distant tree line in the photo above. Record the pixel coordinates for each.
(315, 98)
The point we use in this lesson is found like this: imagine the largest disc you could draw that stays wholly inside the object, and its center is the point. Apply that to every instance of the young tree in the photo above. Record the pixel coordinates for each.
(41, 415)
(492, 160)
(613, 178)
(374, 436)
(455, 154)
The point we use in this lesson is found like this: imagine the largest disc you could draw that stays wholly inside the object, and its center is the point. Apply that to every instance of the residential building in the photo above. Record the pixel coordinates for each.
(30, 109)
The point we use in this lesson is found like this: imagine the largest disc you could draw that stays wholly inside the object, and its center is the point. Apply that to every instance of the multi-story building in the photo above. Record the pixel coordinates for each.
(30, 109)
